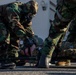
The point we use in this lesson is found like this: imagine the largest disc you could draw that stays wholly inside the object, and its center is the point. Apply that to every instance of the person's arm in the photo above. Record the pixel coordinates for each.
(13, 17)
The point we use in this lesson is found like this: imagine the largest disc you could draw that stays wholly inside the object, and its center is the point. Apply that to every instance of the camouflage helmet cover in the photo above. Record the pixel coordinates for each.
(34, 6)
(31, 7)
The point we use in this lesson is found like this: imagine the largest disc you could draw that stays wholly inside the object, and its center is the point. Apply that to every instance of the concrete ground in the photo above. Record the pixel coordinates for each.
(30, 70)
(52, 71)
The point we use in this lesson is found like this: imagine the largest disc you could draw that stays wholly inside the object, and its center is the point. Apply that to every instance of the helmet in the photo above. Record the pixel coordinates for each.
(34, 6)
(2, 2)
(30, 7)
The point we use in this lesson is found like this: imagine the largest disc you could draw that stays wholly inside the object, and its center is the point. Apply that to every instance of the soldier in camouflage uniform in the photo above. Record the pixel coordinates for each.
(15, 24)
(65, 14)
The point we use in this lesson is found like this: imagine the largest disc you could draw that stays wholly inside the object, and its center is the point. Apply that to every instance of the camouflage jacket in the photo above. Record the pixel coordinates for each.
(18, 15)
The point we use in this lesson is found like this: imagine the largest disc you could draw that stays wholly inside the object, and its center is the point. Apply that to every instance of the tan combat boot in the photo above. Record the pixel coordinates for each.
(63, 63)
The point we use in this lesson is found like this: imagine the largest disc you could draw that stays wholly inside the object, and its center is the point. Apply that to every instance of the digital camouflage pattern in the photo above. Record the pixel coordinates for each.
(15, 23)
(65, 16)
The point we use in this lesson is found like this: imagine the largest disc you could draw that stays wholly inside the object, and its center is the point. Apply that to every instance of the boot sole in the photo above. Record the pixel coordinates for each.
(8, 67)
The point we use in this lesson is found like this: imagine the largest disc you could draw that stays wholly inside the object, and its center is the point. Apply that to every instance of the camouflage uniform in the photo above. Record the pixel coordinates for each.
(65, 14)
(15, 23)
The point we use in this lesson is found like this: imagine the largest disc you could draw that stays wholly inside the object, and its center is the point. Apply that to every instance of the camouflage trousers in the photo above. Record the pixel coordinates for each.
(6, 47)
(9, 40)
(64, 19)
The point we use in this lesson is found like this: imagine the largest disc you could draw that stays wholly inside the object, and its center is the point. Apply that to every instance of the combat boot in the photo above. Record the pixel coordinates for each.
(44, 61)
(10, 65)
(64, 63)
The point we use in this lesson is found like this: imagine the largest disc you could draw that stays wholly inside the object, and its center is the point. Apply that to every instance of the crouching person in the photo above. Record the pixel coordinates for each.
(14, 19)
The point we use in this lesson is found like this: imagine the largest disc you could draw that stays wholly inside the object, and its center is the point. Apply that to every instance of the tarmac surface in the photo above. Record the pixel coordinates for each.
(31, 70)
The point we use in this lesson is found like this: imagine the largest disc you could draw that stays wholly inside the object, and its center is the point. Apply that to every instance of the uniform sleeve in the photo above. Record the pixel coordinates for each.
(13, 12)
